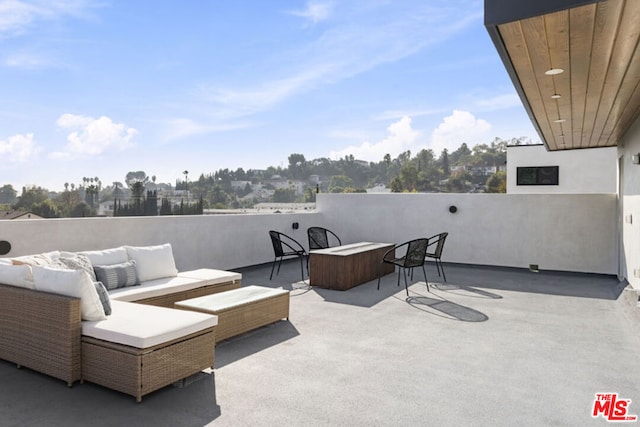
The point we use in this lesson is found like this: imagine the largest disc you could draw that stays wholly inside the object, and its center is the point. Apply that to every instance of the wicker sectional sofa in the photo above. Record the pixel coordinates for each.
(61, 322)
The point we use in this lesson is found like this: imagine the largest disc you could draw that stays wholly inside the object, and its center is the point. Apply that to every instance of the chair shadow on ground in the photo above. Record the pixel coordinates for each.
(241, 346)
(444, 308)
(463, 290)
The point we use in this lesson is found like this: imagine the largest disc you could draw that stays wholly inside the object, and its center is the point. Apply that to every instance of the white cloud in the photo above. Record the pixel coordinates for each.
(315, 11)
(400, 137)
(459, 127)
(26, 61)
(342, 51)
(181, 128)
(94, 136)
(250, 101)
(396, 114)
(16, 16)
(18, 148)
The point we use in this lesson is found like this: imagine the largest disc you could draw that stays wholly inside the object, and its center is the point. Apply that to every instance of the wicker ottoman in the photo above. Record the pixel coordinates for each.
(143, 348)
(241, 310)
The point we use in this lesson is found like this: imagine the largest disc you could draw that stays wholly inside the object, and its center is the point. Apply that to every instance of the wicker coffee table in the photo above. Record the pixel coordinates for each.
(241, 310)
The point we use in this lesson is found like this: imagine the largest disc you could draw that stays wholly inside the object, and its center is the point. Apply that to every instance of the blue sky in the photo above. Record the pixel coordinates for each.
(101, 88)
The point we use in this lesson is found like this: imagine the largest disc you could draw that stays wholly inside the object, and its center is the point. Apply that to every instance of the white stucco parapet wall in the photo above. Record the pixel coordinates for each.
(562, 232)
(566, 232)
(580, 171)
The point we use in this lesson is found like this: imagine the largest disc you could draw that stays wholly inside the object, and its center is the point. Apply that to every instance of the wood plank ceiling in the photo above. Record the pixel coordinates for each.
(599, 91)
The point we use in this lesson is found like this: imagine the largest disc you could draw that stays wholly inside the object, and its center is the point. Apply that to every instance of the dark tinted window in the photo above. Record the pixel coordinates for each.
(537, 175)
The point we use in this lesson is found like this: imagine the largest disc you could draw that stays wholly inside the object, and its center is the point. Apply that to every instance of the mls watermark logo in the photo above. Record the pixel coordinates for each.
(611, 408)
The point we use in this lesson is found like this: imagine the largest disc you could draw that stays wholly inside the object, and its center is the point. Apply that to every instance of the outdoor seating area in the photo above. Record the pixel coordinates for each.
(495, 337)
(111, 316)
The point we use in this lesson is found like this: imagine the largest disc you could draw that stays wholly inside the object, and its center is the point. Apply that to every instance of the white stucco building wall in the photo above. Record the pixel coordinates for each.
(629, 206)
(580, 171)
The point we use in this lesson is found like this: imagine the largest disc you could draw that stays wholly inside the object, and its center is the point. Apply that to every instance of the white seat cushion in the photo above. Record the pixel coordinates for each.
(154, 288)
(144, 326)
(183, 282)
(210, 276)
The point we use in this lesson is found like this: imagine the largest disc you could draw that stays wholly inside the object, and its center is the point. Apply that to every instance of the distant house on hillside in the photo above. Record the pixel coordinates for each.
(19, 215)
(298, 187)
(240, 185)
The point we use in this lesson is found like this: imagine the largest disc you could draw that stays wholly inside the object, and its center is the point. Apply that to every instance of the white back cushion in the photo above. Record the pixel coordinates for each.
(73, 283)
(16, 275)
(153, 262)
(107, 256)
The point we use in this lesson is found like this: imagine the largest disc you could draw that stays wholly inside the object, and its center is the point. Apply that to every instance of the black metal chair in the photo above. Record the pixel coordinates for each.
(414, 255)
(285, 246)
(319, 238)
(434, 251)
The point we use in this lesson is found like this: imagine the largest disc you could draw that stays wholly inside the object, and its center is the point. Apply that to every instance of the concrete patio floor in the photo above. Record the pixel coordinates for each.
(490, 347)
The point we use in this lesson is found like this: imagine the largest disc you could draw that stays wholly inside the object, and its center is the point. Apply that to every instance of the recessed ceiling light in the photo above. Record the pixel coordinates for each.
(554, 71)
(556, 96)
(560, 120)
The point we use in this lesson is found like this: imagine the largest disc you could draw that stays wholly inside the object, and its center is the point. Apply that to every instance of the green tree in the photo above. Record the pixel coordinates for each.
(298, 166)
(137, 191)
(339, 183)
(46, 209)
(30, 196)
(118, 192)
(461, 156)
(218, 197)
(8, 194)
(310, 195)
(396, 185)
(497, 183)
(458, 181)
(81, 210)
(409, 177)
(133, 177)
(284, 195)
(66, 201)
(444, 162)
(424, 159)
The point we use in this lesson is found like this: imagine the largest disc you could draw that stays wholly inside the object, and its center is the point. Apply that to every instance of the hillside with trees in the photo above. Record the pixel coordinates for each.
(477, 169)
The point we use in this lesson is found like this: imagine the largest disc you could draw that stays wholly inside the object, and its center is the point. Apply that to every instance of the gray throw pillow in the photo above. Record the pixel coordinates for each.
(104, 297)
(78, 262)
(117, 275)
